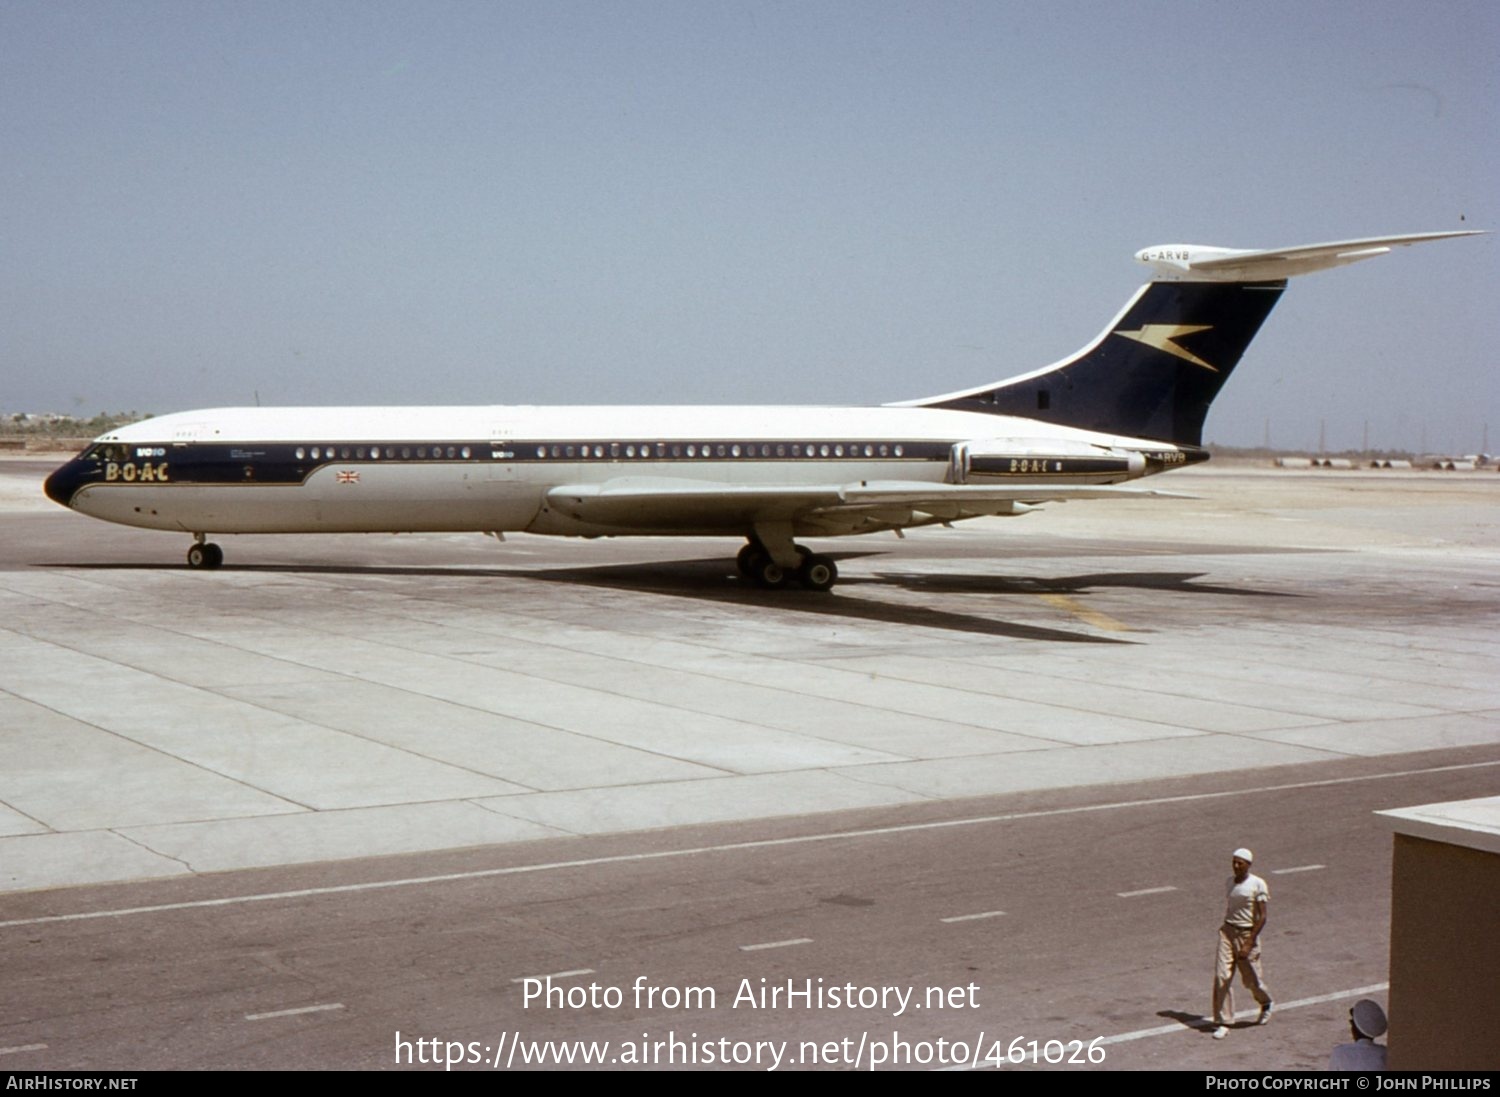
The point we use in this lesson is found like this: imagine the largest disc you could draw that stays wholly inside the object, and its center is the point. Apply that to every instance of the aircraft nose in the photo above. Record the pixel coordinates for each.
(61, 485)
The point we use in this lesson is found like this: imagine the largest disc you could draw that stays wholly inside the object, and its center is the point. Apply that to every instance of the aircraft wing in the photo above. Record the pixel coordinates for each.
(643, 503)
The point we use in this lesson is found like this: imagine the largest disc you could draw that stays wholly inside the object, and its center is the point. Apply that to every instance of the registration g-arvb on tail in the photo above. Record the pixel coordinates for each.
(1129, 404)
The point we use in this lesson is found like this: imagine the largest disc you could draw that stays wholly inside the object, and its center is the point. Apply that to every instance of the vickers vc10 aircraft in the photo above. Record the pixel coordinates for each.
(1129, 404)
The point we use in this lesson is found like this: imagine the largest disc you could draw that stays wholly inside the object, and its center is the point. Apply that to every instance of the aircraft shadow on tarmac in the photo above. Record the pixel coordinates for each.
(712, 580)
(1179, 582)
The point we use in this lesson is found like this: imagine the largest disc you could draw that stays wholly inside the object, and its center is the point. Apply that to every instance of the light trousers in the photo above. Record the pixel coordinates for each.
(1230, 939)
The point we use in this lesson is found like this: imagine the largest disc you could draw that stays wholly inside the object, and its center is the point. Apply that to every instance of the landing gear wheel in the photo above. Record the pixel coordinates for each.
(767, 573)
(745, 561)
(817, 572)
(206, 554)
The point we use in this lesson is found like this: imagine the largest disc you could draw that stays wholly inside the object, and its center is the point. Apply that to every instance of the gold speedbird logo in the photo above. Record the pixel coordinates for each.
(1163, 337)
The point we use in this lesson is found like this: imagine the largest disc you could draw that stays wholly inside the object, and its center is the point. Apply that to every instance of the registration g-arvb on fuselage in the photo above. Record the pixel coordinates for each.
(1129, 404)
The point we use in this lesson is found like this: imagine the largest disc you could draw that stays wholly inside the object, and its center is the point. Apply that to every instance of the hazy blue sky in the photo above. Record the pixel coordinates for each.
(734, 202)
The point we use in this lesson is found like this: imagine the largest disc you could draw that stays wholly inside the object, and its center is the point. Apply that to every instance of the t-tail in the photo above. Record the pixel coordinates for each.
(1156, 369)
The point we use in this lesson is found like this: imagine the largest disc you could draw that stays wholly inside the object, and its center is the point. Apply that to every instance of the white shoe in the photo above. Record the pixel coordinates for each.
(1221, 1032)
(1265, 1014)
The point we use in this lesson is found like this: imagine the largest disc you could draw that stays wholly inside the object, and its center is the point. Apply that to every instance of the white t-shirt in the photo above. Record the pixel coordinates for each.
(1239, 911)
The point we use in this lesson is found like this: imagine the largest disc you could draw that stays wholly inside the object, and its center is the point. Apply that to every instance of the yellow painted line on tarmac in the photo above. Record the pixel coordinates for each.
(1083, 613)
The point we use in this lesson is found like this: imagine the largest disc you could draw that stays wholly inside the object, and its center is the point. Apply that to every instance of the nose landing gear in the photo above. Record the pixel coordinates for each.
(204, 553)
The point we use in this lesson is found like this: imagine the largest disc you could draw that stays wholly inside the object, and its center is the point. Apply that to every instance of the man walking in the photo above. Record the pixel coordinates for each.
(1239, 943)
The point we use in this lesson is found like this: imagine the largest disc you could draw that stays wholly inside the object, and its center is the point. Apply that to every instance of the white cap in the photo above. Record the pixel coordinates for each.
(1243, 854)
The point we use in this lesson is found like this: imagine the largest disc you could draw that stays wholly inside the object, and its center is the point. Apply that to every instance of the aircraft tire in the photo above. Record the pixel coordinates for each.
(768, 574)
(745, 561)
(206, 555)
(817, 573)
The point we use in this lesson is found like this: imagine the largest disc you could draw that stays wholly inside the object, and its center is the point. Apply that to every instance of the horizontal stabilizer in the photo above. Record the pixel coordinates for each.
(1200, 263)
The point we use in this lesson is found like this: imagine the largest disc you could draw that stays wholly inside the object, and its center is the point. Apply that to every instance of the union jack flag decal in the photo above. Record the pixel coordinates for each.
(348, 476)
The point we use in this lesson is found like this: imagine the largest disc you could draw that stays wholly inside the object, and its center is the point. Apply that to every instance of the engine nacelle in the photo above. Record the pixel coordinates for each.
(1042, 460)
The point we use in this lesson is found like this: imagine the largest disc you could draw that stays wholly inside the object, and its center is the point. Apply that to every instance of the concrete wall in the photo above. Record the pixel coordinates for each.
(1445, 957)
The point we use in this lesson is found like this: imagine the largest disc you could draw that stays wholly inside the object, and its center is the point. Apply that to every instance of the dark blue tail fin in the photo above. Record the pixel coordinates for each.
(1152, 374)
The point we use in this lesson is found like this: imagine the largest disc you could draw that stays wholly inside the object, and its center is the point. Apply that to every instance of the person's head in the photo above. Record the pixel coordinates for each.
(1240, 861)
(1367, 1020)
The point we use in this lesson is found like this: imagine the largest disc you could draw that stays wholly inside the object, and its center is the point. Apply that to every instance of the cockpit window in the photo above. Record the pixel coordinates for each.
(108, 451)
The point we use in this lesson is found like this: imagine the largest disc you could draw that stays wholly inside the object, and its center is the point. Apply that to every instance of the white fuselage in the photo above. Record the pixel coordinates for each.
(292, 470)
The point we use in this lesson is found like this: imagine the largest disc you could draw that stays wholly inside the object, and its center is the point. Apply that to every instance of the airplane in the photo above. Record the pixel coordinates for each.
(1129, 404)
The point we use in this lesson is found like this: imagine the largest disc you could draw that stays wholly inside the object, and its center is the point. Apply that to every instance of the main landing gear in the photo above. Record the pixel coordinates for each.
(812, 571)
(204, 553)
